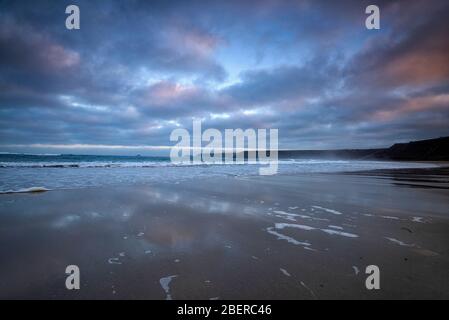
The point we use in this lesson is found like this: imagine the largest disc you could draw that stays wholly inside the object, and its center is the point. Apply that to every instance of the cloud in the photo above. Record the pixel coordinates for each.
(135, 71)
(23, 48)
(412, 54)
(287, 84)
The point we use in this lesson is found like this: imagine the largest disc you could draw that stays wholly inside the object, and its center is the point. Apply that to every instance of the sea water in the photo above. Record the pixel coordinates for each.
(33, 173)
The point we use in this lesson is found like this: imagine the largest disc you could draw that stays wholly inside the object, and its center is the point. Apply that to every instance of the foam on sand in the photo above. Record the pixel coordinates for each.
(285, 272)
(286, 215)
(403, 244)
(114, 261)
(335, 227)
(308, 289)
(340, 233)
(165, 284)
(290, 216)
(26, 190)
(390, 217)
(356, 270)
(287, 238)
(327, 210)
(281, 226)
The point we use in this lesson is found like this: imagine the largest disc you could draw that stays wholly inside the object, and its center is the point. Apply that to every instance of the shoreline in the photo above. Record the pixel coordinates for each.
(441, 169)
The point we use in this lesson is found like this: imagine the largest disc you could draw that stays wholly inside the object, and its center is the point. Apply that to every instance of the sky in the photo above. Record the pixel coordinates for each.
(137, 70)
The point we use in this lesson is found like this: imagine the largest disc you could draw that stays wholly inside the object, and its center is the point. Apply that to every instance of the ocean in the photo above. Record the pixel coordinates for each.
(33, 172)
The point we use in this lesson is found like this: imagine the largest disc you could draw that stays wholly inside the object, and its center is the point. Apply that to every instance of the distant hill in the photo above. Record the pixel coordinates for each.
(331, 154)
(424, 150)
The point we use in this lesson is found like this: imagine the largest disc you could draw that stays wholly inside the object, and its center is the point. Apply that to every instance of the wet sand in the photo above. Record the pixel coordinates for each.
(307, 236)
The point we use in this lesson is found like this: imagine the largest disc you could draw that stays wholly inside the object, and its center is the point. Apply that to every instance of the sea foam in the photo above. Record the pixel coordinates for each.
(26, 190)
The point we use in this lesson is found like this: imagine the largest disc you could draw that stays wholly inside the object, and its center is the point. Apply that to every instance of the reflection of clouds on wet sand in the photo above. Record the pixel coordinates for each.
(213, 238)
(298, 229)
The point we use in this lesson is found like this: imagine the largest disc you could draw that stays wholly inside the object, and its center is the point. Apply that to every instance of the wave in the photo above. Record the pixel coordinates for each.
(93, 164)
(306, 163)
(77, 165)
(110, 173)
(26, 190)
(31, 154)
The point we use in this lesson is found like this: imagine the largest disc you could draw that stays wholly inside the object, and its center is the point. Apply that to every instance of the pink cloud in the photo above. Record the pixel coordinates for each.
(419, 67)
(413, 105)
(192, 41)
(28, 48)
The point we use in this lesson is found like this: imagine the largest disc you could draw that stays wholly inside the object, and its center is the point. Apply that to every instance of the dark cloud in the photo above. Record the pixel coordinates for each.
(286, 84)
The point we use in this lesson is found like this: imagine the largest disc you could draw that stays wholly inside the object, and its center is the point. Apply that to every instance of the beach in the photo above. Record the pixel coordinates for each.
(289, 236)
